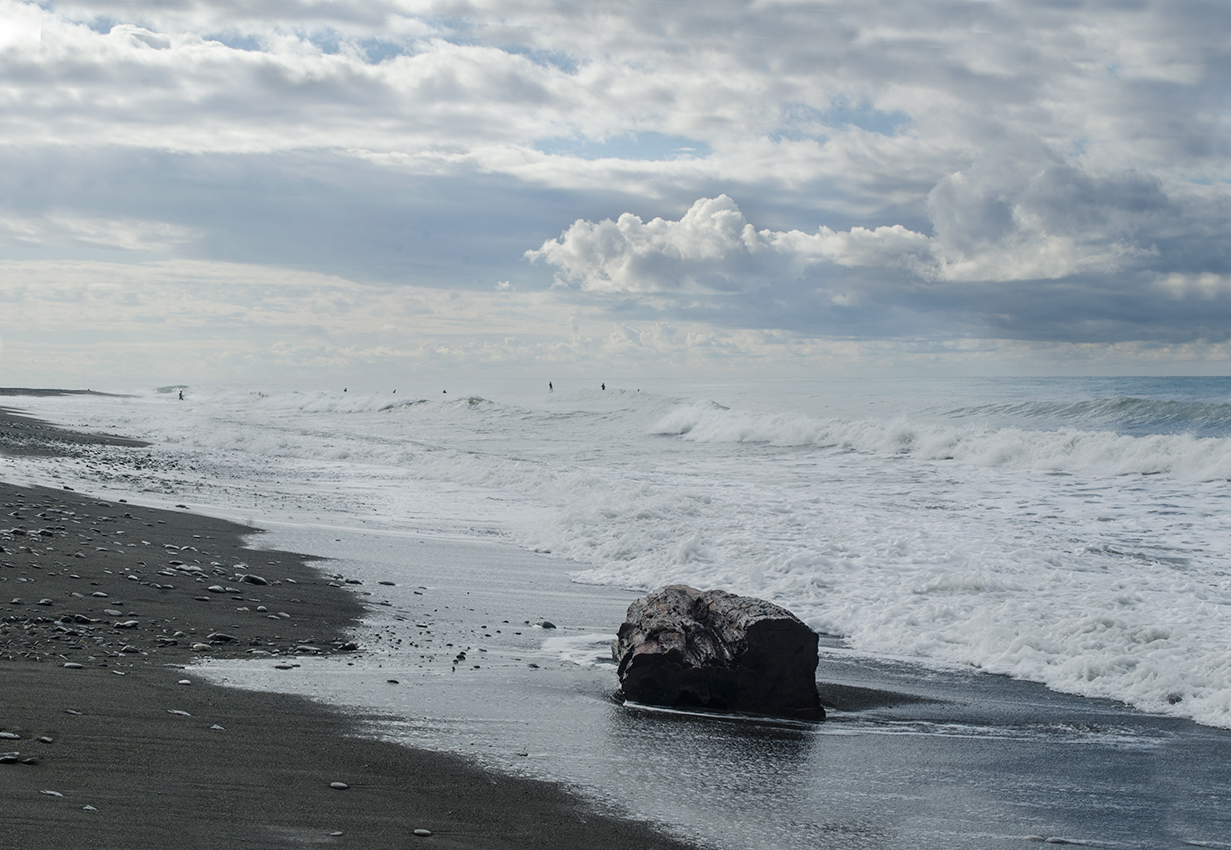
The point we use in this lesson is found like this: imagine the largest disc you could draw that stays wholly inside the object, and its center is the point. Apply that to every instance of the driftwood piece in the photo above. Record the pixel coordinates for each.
(688, 648)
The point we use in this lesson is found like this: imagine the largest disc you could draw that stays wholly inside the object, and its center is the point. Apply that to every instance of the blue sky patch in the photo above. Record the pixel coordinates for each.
(641, 147)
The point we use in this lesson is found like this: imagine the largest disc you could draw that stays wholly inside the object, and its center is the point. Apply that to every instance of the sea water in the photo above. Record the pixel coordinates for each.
(1073, 532)
(1068, 532)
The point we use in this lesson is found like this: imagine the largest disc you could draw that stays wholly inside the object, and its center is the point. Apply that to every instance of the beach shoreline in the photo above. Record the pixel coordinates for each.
(462, 702)
(112, 749)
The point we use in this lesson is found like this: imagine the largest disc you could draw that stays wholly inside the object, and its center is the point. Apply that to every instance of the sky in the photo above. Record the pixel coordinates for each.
(310, 192)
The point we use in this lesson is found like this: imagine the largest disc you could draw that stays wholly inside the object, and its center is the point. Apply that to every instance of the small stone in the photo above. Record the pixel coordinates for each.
(184, 682)
(52, 793)
(338, 786)
(423, 833)
(547, 624)
(31, 760)
(284, 666)
(9, 736)
(127, 624)
(73, 665)
(216, 588)
(337, 834)
(178, 712)
(46, 740)
(217, 728)
(9, 758)
(255, 580)
(46, 602)
(88, 809)
(113, 612)
(387, 583)
(393, 681)
(220, 637)
(201, 647)
(99, 594)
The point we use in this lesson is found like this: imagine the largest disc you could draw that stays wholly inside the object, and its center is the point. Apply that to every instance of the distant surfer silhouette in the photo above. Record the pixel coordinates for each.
(603, 387)
(550, 388)
(181, 395)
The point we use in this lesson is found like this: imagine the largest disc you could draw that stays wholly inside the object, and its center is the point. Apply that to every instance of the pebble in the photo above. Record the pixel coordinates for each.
(179, 712)
(73, 665)
(337, 834)
(423, 833)
(9, 736)
(52, 793)
(113, 612)
(201, 647)
(46, 602)
(338, 786)
(46, 740)
(99, 594)
(217, 728)
(184, 682)
(216, 588)
(127, 624)
(88, 809)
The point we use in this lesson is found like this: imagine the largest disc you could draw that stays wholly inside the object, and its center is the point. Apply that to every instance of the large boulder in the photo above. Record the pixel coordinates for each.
(689, 648)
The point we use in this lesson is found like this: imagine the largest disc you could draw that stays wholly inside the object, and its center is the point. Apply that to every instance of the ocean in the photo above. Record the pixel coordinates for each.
(1068, 534)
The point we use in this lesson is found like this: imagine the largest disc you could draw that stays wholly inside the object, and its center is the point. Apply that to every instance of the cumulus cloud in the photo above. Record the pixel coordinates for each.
(1057, 223)
(711, 248)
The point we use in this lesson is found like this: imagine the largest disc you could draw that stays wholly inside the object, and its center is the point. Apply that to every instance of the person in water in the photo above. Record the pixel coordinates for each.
(550, 388)
(603, 386)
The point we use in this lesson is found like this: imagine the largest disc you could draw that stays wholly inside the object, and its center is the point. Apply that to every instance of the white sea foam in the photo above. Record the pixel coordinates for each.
(1086, 558)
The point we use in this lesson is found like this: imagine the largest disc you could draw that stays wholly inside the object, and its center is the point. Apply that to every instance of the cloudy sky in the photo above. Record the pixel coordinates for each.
(304, 191)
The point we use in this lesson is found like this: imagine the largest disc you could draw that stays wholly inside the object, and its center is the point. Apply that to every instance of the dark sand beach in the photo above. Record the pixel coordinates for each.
(110, 742)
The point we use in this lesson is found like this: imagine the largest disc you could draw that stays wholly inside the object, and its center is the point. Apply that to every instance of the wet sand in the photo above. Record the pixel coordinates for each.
(105, 746)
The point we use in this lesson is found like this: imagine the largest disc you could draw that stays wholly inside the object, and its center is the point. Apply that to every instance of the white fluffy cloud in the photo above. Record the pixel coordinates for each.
(1057, 224)
(712, 248)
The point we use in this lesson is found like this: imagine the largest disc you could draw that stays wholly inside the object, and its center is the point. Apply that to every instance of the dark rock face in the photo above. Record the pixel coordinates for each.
(684, 647)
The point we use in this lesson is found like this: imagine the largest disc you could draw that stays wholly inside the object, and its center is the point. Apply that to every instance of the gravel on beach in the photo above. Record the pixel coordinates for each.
(107, 739)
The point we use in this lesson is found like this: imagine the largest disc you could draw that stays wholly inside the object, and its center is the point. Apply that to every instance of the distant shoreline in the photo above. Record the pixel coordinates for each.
(49, 391)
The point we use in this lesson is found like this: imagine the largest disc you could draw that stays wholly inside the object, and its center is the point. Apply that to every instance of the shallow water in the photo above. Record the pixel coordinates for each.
(932, 758)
